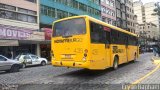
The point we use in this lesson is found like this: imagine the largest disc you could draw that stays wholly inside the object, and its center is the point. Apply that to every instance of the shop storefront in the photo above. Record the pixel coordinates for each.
(16, 40)
(45, 51)
(46, 47)
(13, 51)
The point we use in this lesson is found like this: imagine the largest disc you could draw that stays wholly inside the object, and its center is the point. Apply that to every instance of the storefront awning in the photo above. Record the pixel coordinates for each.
(34, 42)
(9, 43)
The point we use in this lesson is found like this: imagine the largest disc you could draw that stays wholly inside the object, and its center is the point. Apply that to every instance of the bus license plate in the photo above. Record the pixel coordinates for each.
(67, 56)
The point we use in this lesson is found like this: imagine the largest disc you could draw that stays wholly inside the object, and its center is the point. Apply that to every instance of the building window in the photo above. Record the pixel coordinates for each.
(113, 13)
(96, 2)
(103, 1)
(8, 15)
(17, 16)
(61, 14)
(22, 17)
(103, 9)
(118, 5)
(81, 6)
(104, 19)
(123, 16)
(118, 13)
(22, 14)
(49, 11)
(27, 11)
(8, 7)
(75, 4)
(109, 21)
(123, 7)
(34, 1)
(128, 22)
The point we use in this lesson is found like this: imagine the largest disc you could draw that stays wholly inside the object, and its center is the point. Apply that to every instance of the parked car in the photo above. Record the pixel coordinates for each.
(9, 65)
(30, 59)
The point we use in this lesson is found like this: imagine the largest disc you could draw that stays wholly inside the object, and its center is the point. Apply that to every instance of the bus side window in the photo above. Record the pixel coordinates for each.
(108, 38)
(114, 36)
(126, 40)
(97, 33)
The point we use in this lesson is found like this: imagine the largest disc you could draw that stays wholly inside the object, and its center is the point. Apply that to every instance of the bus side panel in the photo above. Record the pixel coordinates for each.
(120, 51)
(98, 57)
(132, 50)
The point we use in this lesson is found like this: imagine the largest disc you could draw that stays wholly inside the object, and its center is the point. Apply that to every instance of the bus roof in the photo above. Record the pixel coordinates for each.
(99, 22)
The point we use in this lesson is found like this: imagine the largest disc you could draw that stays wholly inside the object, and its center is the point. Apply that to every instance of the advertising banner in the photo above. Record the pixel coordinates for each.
(48, 33)
(13, 32)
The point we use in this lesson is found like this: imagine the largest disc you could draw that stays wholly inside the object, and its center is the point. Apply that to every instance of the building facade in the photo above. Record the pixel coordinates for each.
(145, 18)
(139, 11)
(149, 17)
(131, 18)
(148, 30)
(121, 19)
(147, 33)
(108, 11)
(51, 10)
(19, 26)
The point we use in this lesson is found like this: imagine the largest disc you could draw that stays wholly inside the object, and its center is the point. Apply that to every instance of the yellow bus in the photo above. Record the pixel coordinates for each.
(85, 42)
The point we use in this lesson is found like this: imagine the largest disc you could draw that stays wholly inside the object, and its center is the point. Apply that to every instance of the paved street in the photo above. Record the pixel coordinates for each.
(71, 78)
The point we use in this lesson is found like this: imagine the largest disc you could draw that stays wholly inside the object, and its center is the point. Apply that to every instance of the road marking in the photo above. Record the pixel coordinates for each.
(142, 78)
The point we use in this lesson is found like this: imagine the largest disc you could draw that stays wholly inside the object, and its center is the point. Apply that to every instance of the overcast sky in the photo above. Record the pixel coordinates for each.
(146, 1)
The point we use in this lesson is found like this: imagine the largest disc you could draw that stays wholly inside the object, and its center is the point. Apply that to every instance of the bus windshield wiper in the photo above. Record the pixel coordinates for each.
(66, 36)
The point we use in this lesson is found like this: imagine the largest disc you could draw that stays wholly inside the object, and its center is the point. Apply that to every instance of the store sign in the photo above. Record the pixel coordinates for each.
(37, 36)
(9, 43)
(12, 32)
(48, 33)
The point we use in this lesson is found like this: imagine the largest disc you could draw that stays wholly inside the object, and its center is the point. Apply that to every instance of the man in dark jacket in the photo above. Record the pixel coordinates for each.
(156, 50)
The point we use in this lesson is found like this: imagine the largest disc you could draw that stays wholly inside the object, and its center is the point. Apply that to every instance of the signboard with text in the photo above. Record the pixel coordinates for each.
(48, 33)
(13, 32)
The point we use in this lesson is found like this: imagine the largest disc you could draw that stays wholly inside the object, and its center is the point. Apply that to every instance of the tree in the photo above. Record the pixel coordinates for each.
(157, 9)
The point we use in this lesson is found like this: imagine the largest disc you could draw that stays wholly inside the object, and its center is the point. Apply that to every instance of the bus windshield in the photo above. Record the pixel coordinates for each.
(69, 27)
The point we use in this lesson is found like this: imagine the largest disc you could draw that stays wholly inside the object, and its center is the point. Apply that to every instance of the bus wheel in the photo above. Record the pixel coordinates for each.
(135, 58)
(115, 64)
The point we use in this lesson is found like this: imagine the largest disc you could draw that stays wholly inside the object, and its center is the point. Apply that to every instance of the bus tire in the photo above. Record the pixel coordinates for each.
(135, 58)
(115, 63)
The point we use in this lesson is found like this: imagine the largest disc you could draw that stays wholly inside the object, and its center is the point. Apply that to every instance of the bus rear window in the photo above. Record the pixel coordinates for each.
(69, 27)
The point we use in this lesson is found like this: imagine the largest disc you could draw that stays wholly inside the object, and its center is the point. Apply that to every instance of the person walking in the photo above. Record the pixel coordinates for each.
(156, 51)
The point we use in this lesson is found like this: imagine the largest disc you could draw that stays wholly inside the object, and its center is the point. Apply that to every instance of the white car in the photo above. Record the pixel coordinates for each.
(30, 59)
(9, 65)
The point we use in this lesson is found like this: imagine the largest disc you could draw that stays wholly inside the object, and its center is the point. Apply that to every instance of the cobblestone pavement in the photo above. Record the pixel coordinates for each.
(152, 79)
(56, 77)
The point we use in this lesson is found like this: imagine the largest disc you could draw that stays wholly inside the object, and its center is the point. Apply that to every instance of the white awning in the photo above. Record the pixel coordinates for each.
(9, 43)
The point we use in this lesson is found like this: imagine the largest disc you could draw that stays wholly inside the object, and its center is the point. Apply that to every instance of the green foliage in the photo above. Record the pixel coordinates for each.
(157, 10)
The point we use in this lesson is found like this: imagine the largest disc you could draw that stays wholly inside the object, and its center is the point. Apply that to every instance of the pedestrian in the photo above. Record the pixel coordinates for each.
(155, 51)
